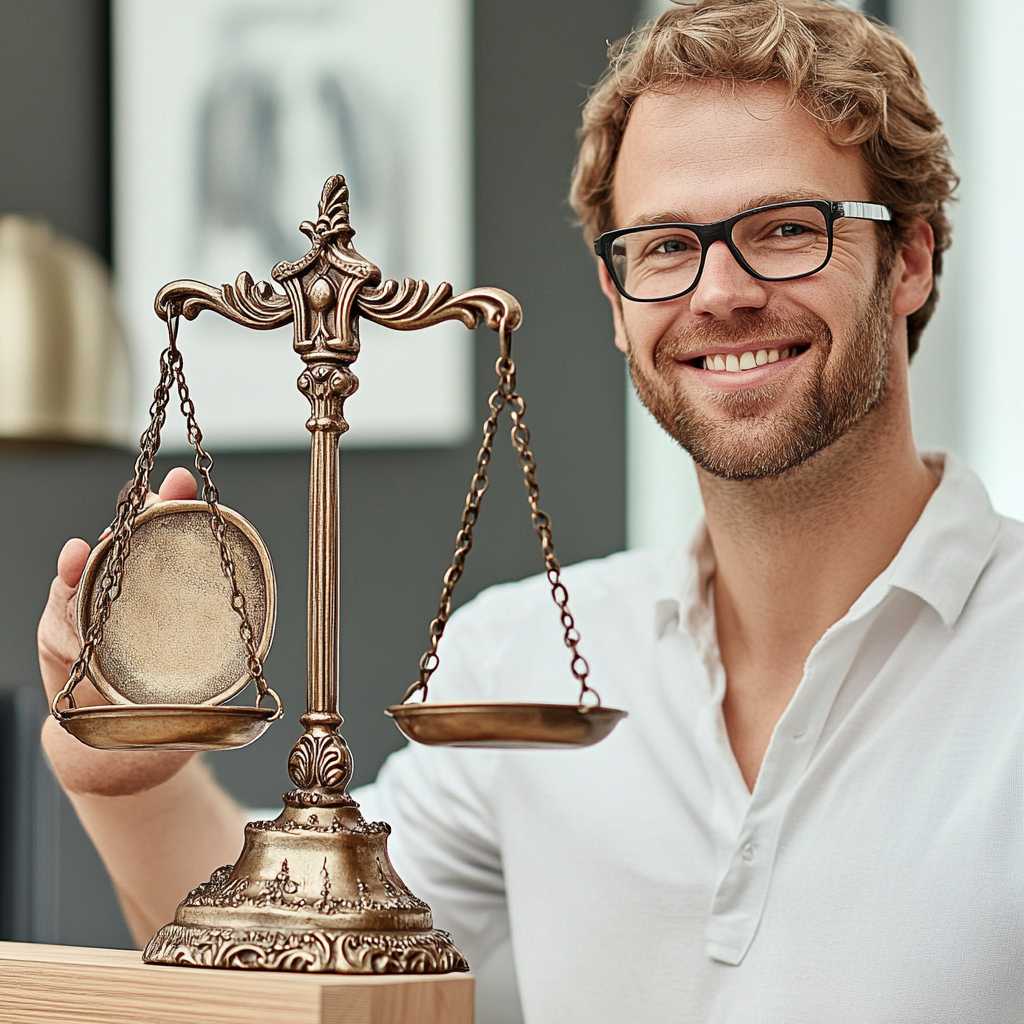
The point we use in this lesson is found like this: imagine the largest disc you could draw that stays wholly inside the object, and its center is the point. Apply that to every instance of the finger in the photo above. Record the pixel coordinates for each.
(57, 640)
(59, 643)
(179, 483)
(71, 561)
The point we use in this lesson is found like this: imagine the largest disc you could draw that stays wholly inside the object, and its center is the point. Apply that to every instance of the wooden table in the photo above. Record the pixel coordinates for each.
(61, 984)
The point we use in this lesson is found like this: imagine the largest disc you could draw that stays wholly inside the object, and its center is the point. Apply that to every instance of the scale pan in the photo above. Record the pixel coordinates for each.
(494, 724)
(172, 635)
(167, 726)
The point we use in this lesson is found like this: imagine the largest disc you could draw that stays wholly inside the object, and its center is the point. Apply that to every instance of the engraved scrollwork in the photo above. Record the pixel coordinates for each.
(431, 952)
(334, 216)
(279, 890)
(219, 891)
(250, 303)
(282, 890)
(399, 955)
(326, 386)
(321, 760)
(360, 827)
(323, 283)
(410, 305)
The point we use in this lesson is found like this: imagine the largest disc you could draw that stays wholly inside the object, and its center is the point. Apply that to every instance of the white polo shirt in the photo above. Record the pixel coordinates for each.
(875, 874)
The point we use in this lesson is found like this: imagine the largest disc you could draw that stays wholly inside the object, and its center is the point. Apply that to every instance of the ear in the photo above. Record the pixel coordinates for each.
(611, 293)
(913, 271)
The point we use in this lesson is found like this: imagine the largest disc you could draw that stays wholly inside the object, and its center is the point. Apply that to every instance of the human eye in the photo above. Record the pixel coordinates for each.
(666, 245)
(671, 245)
(791, 229)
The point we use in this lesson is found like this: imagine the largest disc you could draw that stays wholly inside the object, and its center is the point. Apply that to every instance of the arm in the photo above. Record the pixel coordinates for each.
(151, 877)
(124, 798)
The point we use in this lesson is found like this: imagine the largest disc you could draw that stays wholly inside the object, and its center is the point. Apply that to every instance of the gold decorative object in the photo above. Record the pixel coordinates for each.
(505, 725)
(149, 653)
(314, 889)
(65, 371)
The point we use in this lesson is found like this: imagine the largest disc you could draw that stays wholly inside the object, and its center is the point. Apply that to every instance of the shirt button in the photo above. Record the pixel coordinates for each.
(799, 734)
(748, 852)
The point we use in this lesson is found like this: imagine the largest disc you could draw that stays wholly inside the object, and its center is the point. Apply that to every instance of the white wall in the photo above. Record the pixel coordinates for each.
(987, 72)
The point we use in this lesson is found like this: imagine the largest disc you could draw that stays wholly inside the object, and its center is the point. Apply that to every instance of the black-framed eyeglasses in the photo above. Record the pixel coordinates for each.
(778, 242)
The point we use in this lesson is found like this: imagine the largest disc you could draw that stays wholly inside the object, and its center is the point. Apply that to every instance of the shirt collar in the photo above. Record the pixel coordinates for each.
(940, 560)
(685, 590)
(951, 542)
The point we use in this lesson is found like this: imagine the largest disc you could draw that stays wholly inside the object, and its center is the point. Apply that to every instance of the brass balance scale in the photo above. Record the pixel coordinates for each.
(314, 889)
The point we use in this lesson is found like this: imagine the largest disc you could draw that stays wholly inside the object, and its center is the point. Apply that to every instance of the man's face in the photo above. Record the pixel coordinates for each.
(704, 153)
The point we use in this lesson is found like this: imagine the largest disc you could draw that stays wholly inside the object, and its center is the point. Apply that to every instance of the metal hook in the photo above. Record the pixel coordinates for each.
(505, 339)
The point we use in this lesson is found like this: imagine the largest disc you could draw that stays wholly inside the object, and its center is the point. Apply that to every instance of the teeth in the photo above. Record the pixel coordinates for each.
(748, 360)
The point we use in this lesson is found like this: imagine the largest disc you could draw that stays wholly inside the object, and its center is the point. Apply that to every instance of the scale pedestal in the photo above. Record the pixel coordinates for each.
(313, 890)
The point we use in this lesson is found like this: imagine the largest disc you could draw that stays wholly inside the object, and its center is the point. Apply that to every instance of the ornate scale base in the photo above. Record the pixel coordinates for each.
(314, 890)
(324, 952)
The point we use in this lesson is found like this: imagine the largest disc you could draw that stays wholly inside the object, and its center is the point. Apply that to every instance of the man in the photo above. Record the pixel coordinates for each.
(814, 811)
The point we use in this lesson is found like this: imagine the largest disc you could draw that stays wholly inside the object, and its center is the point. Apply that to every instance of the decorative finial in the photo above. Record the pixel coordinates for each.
(333, 219)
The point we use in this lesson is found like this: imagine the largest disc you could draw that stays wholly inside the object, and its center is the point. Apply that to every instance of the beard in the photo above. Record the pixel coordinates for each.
(763, 431)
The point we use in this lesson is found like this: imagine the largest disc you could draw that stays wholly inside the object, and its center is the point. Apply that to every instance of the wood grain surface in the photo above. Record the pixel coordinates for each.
(59, 984)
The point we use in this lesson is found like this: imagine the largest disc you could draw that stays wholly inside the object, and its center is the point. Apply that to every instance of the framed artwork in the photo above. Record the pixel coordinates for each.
(229, 115)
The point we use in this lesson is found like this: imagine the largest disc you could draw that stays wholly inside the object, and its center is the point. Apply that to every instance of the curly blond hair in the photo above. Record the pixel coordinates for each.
(849, 71)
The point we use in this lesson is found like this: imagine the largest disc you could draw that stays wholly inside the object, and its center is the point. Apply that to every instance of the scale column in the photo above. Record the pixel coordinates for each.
(320, 763)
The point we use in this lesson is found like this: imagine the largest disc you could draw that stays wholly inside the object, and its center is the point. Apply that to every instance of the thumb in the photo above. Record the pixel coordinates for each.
(179, 483)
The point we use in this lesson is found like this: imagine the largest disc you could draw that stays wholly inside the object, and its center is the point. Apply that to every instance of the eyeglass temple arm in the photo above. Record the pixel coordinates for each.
(863, 211)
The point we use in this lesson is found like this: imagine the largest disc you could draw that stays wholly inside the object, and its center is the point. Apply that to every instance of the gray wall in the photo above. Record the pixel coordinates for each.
(400, 508)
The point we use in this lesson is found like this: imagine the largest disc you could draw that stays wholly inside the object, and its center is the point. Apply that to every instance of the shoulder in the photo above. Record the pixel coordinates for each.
(989, 632)
(510, 636)
(1003, 574)
(626, 576)
(1010, 539)
(996, 602)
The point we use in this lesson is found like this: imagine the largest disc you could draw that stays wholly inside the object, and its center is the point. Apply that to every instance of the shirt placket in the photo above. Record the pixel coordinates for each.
(750, 824)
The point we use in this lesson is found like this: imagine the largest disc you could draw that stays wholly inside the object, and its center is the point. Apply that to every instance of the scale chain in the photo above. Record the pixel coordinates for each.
(134, 500)
(505, 395)
(128, 508)
(218, 525)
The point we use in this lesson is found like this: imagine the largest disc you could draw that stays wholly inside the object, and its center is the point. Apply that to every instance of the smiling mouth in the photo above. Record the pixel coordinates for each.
(732, 363)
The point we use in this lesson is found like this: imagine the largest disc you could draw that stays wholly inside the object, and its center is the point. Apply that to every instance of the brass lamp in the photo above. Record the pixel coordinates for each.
(65, 368)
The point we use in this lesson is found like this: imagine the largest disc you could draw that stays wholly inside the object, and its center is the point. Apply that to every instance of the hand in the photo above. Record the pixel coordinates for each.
(78, 768)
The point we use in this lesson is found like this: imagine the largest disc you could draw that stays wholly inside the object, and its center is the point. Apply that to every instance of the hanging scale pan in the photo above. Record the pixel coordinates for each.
(505, 724)
(171, 651)
(494, 724)
(183, 624)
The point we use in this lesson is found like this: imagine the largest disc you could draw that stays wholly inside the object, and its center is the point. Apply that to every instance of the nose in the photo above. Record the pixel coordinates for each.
(724, 286)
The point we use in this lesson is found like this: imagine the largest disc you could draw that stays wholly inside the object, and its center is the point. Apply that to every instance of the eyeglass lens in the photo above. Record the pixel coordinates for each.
(659, 262)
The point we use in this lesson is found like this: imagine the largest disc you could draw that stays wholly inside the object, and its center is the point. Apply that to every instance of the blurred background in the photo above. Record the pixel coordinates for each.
(146, 141)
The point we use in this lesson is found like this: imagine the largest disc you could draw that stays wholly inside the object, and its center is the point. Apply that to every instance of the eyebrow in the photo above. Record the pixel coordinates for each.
(679, 214)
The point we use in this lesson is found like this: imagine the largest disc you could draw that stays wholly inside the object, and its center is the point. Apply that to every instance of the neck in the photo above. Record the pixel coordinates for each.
(794, 552)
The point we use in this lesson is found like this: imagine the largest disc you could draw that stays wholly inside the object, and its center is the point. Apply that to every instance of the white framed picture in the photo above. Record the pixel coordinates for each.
(229, 115)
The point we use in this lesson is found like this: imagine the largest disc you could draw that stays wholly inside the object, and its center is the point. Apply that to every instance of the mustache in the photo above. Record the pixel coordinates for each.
(743, 328)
